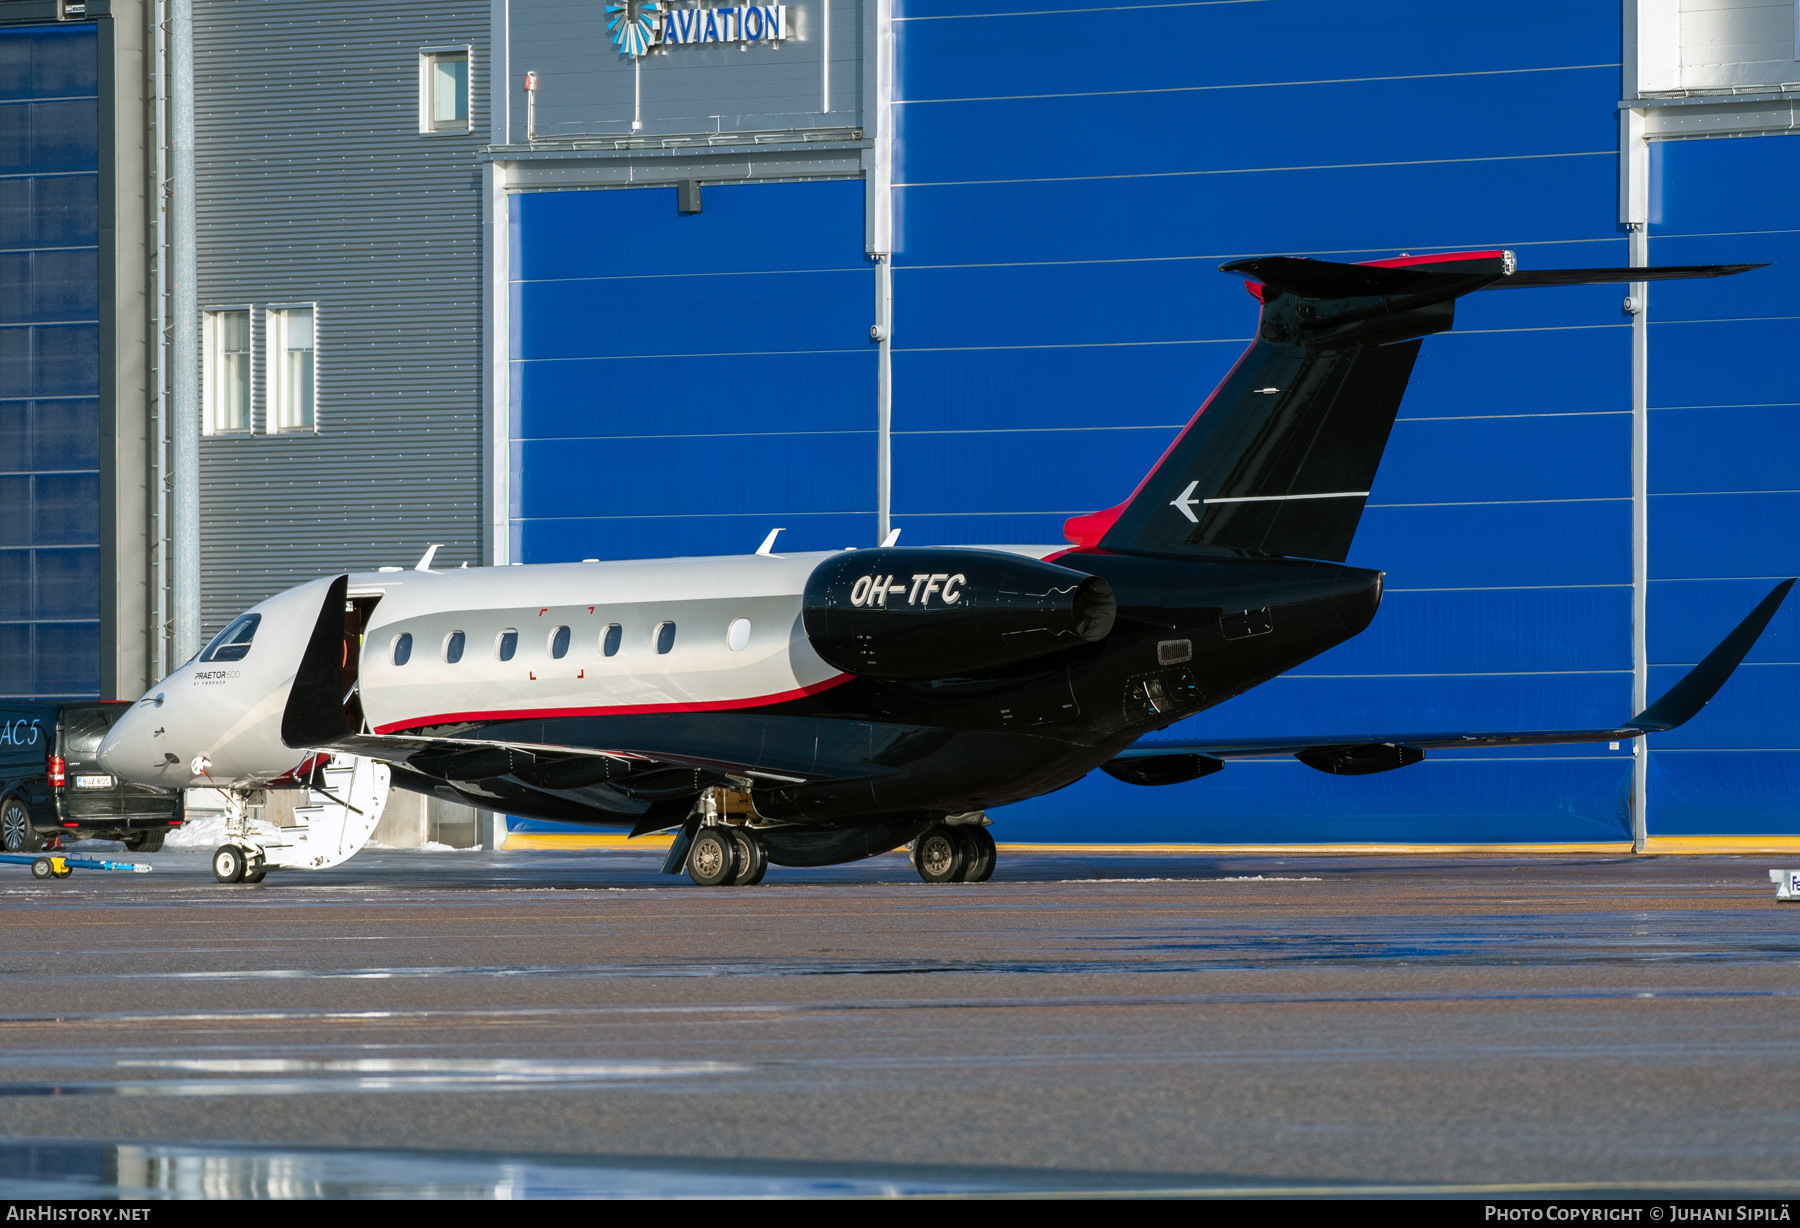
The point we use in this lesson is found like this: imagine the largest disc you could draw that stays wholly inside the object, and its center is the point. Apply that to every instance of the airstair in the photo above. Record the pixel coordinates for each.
(329, 823)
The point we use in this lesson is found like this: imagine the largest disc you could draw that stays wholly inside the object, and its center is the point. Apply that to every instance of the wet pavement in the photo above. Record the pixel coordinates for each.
(553, 1023)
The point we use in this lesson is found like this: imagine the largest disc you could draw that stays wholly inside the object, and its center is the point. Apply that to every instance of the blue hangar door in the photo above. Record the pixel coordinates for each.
(682, 384)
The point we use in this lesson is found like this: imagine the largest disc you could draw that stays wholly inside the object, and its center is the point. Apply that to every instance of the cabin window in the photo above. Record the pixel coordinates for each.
(507, 644)
(737, 636)
(559, 643)
(233, 643)
(665, 637)
(609, 639)
(453, 647)
(403, 648)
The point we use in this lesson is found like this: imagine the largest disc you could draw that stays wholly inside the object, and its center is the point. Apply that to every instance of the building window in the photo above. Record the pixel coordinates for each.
(226, 373)
(444, 90)
(292, 369)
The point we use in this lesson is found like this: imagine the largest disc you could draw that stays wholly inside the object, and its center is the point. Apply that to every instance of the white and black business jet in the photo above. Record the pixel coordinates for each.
(808, 709)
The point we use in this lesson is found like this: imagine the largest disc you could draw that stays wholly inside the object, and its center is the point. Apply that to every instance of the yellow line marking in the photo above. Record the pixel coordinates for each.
(1681, 845)
(1722, 844)
(1317, 850)
(584, 840)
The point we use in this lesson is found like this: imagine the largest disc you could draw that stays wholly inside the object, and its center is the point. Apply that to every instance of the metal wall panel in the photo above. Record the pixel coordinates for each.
(1725, 479)
(696, 384)
(1050, 220)
(49, 362)
(315, 185)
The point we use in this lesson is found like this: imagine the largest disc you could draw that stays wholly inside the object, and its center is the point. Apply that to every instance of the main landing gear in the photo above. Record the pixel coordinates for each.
(955, 854)
(727, 857)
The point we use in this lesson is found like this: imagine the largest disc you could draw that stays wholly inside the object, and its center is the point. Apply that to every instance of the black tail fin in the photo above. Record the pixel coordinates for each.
(1280, 459)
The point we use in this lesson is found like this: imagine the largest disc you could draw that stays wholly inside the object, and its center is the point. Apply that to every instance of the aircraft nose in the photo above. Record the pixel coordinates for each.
(127, 750)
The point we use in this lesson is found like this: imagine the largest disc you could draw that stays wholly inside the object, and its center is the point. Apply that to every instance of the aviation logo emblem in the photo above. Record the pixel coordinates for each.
(634, 25)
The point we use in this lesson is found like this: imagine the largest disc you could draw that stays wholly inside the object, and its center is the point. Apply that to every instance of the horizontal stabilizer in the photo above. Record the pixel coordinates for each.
(1677, 706)
(1527, 279)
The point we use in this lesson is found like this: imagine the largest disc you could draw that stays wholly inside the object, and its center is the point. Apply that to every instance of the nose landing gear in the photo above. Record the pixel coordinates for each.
(327, 824)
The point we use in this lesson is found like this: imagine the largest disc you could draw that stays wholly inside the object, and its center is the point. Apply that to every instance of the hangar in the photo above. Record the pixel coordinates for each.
(950, 268)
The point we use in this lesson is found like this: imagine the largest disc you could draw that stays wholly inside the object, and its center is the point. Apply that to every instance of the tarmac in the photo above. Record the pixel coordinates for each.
(552, 1023)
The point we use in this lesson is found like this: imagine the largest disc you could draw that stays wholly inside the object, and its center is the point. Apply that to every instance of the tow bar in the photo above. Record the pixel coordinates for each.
(53, 866)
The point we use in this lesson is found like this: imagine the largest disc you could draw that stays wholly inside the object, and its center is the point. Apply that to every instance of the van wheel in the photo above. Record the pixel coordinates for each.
(16, 832)
(145, 841)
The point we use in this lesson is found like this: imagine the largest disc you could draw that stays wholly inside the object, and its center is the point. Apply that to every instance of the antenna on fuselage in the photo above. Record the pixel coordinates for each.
(424, 564)
(768, 542)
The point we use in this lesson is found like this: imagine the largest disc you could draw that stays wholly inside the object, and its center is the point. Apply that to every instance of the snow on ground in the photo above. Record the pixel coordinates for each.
(201, 831)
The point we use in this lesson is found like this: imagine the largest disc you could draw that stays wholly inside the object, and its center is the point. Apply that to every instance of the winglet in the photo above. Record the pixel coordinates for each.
(424, 564)
(768, 542)
(1681, 701)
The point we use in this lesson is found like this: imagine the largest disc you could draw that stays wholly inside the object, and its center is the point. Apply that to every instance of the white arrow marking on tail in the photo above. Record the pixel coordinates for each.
(1185, 501)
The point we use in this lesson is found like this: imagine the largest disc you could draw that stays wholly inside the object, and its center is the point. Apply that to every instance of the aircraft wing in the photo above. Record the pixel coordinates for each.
(480, 758)
(1374, 750)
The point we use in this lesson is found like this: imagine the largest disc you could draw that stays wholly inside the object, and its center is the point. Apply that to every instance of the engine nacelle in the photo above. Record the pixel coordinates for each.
(939, 613)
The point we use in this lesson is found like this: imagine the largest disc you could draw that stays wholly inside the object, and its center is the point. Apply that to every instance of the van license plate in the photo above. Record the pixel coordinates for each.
(93, 782)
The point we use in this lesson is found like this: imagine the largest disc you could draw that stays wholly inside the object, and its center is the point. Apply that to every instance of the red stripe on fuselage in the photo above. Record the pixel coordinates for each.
(531, 714)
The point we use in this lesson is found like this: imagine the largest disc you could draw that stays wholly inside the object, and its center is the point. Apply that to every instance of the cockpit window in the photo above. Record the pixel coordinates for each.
(233, 643)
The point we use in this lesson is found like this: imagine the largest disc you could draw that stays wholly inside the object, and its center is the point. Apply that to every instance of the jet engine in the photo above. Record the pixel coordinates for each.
(938, 613)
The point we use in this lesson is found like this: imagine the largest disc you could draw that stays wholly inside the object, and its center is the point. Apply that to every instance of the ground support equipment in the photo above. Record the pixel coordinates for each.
(55, 865)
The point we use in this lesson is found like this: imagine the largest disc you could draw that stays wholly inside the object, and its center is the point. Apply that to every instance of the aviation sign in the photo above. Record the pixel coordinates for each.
(638, 25)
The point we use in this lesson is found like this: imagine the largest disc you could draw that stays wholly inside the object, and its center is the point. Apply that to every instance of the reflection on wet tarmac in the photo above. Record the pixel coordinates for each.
(384, 1074)
(59, 1170)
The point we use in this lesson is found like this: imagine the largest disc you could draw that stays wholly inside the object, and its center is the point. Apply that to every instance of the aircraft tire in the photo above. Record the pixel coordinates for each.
(228, 863)
(939, 856)
(256, 873)
(979, 854)
(753, 857)
(713, 859)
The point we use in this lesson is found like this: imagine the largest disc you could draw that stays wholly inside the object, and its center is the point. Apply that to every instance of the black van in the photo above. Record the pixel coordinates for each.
(51, 783)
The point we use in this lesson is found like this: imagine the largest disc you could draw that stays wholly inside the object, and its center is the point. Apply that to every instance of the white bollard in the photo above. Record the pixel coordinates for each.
(1787, 884)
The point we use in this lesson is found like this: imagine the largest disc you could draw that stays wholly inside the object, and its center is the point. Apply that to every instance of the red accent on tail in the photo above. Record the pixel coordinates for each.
(1401, 262)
